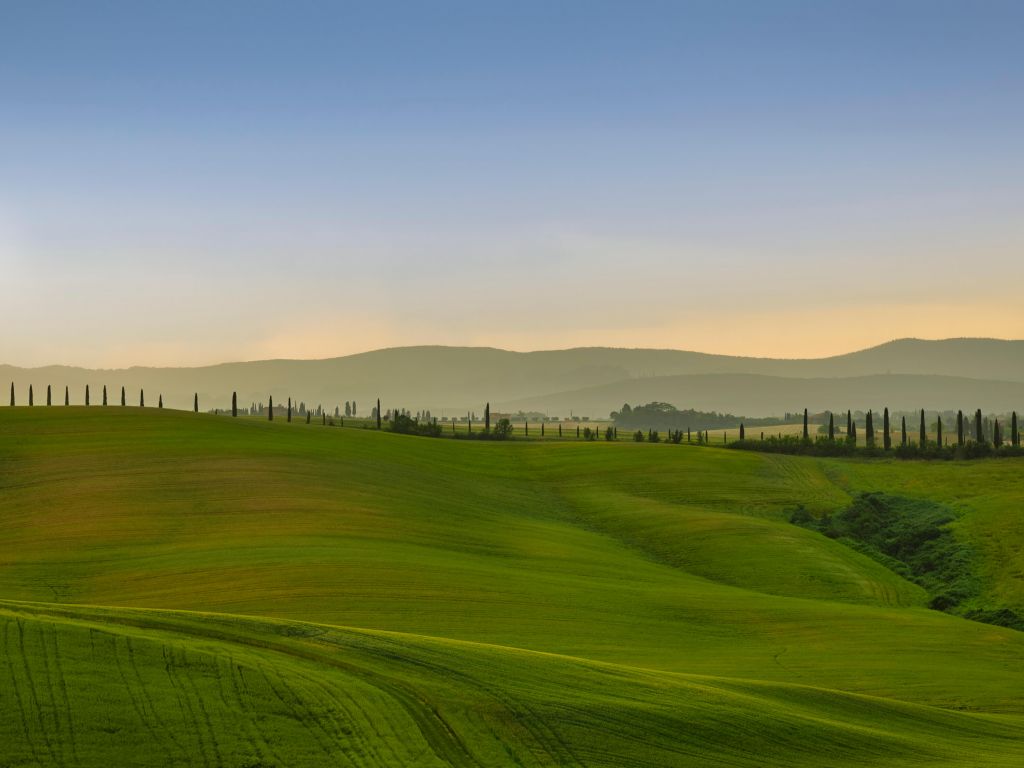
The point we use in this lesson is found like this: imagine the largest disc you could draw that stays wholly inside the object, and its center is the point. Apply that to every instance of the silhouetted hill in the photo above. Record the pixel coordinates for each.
(455, 379)
(756, 395)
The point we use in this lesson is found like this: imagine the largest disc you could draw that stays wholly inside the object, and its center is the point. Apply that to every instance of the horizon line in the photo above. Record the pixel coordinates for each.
(509, 351)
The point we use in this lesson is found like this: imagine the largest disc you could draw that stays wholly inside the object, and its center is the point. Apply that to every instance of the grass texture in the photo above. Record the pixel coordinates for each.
(284, 594)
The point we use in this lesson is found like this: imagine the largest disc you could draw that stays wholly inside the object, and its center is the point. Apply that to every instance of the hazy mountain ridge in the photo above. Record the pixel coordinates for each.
(454, 379)
(758, 395)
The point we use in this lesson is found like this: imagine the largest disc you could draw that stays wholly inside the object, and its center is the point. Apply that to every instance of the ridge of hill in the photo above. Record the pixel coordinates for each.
(457, 379)
(746, 394)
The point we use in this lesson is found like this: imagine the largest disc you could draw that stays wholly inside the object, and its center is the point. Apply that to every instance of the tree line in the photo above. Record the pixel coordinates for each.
(968, 436)
(665, 416)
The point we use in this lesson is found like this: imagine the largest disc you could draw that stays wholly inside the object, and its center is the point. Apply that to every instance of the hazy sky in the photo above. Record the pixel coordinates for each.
(184, 183)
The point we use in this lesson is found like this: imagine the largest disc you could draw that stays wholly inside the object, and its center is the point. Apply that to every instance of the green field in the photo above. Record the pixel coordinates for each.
(183, 589)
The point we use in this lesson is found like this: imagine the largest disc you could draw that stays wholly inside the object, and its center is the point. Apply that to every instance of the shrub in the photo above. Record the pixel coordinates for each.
(406, 425)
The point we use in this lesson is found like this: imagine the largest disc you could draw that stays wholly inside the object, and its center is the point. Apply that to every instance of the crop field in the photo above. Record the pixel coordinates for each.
(188, 589)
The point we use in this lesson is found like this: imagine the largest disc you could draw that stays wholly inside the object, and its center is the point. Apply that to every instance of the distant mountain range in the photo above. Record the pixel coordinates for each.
(902, 374)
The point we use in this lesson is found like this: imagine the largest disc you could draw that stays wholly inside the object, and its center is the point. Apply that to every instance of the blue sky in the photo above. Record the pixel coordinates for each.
(192, 182)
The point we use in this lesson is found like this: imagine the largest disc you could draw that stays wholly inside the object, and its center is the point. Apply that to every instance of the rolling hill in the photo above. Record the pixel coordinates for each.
(751, 394)
(284, 594)
(458, 379)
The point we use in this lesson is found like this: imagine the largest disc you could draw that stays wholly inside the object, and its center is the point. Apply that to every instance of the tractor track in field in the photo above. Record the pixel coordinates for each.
(18, 697)
(442, 738)
(254, 738)
(33, 692)
(140, 701)
(58, 664)
(184, 704)
(55, 709)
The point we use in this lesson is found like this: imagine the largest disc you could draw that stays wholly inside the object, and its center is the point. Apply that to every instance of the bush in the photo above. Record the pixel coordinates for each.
(406, 425)
(502, 430)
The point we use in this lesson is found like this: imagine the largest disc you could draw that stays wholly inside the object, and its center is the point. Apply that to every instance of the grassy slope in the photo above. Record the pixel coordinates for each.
(220, 690)
(989, 495)
(669, 558)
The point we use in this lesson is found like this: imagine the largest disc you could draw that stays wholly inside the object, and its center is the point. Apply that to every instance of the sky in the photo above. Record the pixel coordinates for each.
(188, 183)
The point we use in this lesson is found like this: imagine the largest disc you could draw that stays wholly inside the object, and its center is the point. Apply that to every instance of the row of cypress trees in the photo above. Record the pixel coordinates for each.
(88, 397)
(142, 399)
(962, 430)
(851, 426)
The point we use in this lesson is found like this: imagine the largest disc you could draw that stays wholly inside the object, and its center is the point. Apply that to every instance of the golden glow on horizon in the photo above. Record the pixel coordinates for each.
(755, 332)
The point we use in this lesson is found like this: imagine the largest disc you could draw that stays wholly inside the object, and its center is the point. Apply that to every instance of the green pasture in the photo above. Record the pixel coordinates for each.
(519, 603)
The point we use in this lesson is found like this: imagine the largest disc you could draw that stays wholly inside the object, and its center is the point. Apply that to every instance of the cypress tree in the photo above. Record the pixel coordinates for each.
(310, 413)
(903, 433)
(743, 433)
(923, 439)
(849, 424)
(997, 439)
(487, 417)
(234, 404)
(86, 394)
(559, 429)
(160, 401)
(104, 394)
(30, 398)
(195, 402)
(526, 426)
(378, 414)
(542, 429)
(887, 438)
(831, 428)
(289, 410)
(959, 427)
(270, 411)
(324, 414)
(979, 432)
(853, 433)
(122, 397)
(577, 431)
(807, 435)
(12, 394)
(1014, 434)
(49, 398)
(938, 431)
(869, 430)
(142, 398)
(469, 422)
(67, 395)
